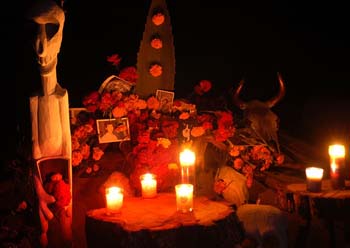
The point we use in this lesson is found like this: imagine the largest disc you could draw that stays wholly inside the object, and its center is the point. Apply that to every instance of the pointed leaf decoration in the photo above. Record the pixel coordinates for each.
(157, 26)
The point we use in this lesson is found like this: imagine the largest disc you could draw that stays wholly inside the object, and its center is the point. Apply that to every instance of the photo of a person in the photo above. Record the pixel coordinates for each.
(109, 135)
(166, 99)
(113, 130)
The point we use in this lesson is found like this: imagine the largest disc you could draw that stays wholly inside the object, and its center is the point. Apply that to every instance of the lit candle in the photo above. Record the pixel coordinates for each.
(184, 197)
(187, 160)
(337, 165)
(114, 199)
(314, 178)
(149, 185)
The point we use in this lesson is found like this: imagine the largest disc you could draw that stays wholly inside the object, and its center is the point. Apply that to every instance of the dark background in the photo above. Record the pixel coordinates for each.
(222, 41)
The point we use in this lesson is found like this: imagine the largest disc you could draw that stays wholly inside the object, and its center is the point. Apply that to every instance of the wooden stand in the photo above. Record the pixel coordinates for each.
(330, 205)
(155, 223)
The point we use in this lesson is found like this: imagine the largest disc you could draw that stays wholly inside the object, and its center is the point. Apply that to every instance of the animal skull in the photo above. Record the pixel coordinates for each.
(263, 122)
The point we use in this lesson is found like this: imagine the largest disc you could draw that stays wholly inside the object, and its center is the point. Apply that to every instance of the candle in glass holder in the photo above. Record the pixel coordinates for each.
(337, 165)
(148, 185)
(187, 161)
(114, 199)
(314, 179)
(184, 197)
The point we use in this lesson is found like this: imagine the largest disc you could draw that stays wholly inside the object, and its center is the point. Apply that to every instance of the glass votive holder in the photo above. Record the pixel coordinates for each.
(148, 185)
(314, 177)
(114, 199)
(184, 197)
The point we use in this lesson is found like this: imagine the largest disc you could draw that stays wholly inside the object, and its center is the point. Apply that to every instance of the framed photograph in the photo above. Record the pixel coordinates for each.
(166, 99)
(73, 113)
(113, 130)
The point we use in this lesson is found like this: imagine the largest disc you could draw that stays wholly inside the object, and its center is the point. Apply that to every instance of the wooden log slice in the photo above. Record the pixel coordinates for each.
(156, 223)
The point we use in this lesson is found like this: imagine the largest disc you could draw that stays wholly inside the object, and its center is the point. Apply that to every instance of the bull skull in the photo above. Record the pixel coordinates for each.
(263, 122)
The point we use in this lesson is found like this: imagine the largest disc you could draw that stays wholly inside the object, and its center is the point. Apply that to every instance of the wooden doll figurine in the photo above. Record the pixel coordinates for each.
(51, 135)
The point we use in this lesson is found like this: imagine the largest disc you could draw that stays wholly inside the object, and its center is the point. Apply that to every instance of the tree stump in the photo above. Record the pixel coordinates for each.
(156, 223)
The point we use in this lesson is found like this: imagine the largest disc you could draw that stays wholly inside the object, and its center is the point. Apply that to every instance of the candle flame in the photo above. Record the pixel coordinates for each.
(336, 151)
(314, 173)
(187, 157)
(113, 190)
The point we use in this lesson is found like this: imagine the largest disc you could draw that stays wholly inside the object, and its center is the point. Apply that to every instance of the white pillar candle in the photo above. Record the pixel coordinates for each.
(114, 199)
(337, 165)
(187, 161)
(314, 177)
(184, 197)
(148, 185)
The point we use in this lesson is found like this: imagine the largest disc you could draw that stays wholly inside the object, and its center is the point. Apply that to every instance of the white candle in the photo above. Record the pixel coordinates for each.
(149, 185)
(187, 161)
(314, 173)
(114, 199)
(184, 197)
(314, 179)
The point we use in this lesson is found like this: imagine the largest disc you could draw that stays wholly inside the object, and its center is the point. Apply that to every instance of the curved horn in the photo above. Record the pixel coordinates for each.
(273, 101)
(237, 101)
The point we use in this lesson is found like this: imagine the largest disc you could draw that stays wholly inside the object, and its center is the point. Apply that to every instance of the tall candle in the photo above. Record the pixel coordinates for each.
(337, 165)
(314, 178)
(114, 199)
(148, 185)
(187, 161)
(184, 197)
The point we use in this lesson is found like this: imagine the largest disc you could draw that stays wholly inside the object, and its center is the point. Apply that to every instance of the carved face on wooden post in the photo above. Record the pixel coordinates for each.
(50, 19)
(258, 113)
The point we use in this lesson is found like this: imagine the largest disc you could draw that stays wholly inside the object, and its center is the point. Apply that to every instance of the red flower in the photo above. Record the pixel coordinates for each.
(156, 70)
(129, 74)
(158, 19)
(92, 101)
(203, 87)
(156, 43)
(169, 128)
(114, 59)
(62, 194)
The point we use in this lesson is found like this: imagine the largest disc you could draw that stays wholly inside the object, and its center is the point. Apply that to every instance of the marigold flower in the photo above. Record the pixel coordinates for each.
(119, 111)
(77, 157)
(97, 153)
(153, 103)
(164, 142)
(156, 43)
(197, 131)
(184, 116)
(158, 19)
(156, 70)
(129, 74)
(238, 163)
(85, 150)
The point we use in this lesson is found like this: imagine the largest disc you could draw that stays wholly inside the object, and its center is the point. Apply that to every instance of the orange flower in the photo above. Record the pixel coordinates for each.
(156, 70)
(197, 131)
(156, 43)
(158, 19)
(129, 74)
(153, 103)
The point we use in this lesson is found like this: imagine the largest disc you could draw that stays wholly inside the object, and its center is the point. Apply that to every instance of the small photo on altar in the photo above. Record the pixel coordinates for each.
(113, 130)
(73, 114)
(166, 99)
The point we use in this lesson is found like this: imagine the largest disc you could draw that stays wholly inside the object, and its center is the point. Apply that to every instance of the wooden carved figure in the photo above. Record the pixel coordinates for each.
(51, 137)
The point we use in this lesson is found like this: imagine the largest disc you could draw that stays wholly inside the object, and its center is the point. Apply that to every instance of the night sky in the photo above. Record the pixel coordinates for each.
(222, 41)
